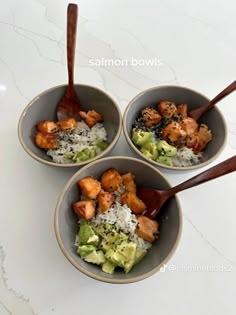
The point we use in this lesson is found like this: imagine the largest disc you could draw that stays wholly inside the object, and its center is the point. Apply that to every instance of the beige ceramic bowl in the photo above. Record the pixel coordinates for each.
(43, 107)
(178, 94)
(66, 223)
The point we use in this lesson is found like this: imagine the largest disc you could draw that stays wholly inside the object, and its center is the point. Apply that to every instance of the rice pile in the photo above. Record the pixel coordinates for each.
(122, 217)
(186, 157)
(77, 140)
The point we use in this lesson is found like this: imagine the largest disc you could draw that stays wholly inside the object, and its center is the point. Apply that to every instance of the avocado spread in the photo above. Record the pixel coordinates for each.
(108, 247)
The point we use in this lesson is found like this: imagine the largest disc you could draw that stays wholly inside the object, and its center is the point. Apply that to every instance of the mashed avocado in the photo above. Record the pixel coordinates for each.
(150, 150)
(85, 250)
(106, 246)
(108, 267)
(165, 149)
(96, 257)
(87, 236)
(78, 156)
(87, 153)
(140, 137)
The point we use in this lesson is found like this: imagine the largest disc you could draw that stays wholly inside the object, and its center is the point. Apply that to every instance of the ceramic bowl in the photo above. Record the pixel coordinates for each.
(178, 94)
(170, 220)
(43, 107)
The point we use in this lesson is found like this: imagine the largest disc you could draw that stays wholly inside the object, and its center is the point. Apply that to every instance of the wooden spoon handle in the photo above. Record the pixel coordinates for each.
(197, 113)
(222, 94)
(218, 170)
(72, 14)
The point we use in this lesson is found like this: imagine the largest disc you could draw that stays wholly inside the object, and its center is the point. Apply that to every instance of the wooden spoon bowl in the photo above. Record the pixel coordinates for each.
(154, 199)
(70, 105)
(197, 113)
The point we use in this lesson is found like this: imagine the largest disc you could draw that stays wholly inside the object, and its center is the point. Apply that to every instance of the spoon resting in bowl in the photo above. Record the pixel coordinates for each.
(154, 199)
(197, 113)
(69, 105)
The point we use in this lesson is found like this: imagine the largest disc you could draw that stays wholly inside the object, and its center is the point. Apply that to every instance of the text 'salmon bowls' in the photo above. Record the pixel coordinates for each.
(66, 223)
(43, 107)
(178, 94)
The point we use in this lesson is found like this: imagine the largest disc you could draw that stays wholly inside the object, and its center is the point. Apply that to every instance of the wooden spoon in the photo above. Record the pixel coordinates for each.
(154, 199)
(69, 106)
(197, 113)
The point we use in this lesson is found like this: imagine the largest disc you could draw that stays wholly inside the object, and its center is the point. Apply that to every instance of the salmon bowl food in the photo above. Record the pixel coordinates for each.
(112, 233)
(75, 141)
(101, 226)
(166, 134)
(72, 141)
(158, 126)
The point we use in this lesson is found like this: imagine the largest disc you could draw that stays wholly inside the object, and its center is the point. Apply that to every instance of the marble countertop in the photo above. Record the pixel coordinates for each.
(190, 43)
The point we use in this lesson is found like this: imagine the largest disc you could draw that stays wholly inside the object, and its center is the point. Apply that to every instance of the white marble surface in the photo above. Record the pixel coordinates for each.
(196, 43)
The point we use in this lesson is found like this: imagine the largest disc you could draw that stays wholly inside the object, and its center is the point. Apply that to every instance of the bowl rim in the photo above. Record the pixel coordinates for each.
(67, 165)
(178, 168)
(91, 274)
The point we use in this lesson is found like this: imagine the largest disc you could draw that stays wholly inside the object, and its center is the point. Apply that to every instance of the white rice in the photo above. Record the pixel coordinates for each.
(186, 157)
(78, 139)
(122, 217)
